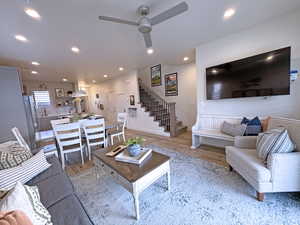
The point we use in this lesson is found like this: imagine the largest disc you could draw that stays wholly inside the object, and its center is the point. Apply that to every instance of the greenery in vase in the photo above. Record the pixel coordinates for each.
(135, 141)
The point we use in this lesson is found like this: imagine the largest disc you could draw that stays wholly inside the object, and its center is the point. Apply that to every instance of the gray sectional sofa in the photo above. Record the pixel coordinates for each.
(59, 197)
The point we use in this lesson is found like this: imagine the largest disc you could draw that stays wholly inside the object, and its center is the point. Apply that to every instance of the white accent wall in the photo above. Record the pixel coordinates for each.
(186, 101)
(275, 34)
(114, 95)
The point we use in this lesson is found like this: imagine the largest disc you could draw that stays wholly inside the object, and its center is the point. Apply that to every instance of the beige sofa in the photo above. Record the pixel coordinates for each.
(282, 172)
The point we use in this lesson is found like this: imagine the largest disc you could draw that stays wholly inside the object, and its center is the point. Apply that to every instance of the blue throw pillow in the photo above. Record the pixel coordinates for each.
(253, 126)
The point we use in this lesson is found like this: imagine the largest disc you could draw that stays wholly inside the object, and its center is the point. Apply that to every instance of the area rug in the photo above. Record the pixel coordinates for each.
(201, 193)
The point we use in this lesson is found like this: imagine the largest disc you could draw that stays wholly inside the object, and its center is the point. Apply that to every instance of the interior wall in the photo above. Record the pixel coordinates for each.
(31, 85)
(115, 94)
(186, 101)
(275, 34)
(12, 108)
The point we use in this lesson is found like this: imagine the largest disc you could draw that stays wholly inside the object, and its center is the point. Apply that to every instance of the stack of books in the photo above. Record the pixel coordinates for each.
(125, 157)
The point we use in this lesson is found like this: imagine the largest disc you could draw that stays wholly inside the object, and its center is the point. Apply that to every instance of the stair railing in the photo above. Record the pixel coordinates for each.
(169, 107)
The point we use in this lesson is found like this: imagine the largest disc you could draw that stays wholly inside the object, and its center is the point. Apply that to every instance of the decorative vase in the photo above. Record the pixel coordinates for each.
(134, 150)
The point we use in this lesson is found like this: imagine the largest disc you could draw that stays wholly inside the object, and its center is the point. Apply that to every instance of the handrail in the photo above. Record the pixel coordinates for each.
(152, 93)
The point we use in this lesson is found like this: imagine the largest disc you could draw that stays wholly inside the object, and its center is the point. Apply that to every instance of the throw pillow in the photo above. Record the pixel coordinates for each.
(253, 126)
(274, 141)
(265, 124)
(19, 199)
(41, 213)
(12, 155)
(233, 129)
(23, 172)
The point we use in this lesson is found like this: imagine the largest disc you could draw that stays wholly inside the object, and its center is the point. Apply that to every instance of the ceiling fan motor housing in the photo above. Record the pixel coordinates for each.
(145, 25)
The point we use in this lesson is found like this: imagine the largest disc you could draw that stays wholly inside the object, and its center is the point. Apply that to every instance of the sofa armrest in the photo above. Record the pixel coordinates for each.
(248, 142)
(285, 168)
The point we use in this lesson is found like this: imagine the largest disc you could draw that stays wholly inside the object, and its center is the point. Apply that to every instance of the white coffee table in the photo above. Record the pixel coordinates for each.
(132, 177)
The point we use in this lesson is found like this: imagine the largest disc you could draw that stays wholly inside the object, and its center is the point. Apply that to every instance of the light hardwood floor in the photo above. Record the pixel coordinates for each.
(181, 143)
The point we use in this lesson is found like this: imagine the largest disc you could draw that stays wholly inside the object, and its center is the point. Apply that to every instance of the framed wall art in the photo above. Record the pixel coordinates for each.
(156, 75)
(171, 84)
(132, 100)
(59, 92)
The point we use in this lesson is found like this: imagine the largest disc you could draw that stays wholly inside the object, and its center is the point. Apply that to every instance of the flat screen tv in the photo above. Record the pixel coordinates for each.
(261, 75)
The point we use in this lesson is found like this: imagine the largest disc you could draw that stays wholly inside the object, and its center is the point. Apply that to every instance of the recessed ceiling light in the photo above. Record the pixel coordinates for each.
(270, 57)
(214, 71)
(64, 79)
(186, 58)
(105, 75)
(32, 13)
(121, 68)
(21, 38)
(94, 81)
(229, 13)
(35, 63)
(34, 72)
(150, 51)
(75, 49)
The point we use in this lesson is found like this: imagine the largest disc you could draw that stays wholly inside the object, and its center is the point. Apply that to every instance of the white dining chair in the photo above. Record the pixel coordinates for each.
(94, 131)
(119, 130)
(68, 137)
(20, 138)
(47, 149)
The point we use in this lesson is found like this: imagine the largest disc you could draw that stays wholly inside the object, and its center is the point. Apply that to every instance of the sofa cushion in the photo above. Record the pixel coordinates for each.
(246, 162)
(54, 189)
(52, 171)
(69, 211)
(214, 133)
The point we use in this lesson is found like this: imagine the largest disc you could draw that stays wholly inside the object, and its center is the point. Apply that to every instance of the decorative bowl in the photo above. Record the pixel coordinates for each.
(134, 150)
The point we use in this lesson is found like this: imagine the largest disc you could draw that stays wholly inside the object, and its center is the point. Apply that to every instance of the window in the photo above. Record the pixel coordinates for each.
(41, 98)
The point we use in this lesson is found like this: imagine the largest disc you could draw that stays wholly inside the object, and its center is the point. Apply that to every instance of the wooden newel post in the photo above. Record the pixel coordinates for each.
(172, 119)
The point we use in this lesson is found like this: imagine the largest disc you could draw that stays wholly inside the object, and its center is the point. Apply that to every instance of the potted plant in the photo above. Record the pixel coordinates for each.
(134, 146)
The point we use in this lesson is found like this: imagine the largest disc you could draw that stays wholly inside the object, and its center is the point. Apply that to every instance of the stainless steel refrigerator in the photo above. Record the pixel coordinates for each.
(32, 119)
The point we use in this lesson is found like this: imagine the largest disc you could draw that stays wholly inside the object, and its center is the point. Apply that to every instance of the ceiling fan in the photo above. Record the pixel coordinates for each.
(145, 23)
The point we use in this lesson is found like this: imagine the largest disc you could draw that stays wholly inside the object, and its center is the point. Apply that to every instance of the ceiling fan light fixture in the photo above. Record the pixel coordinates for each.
(150, 51)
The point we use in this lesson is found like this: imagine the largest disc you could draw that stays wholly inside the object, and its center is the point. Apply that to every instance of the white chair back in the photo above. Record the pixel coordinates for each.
(122, 118)
(60, 121)
(94, 131)
(68, 134)
(19, 138)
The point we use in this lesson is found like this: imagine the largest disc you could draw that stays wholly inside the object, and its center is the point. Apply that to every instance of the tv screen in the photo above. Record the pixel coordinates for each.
(261, 75)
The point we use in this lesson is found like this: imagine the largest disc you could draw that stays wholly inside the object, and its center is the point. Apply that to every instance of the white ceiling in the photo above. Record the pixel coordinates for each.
(106, 46)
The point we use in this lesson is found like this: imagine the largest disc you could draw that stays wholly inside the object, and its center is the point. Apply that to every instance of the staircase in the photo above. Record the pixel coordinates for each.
(161, 111)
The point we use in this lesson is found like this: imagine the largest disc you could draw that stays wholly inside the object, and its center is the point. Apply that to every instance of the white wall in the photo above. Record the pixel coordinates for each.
(280, 32)
(186, 101)
(114, 95)
(52, 109)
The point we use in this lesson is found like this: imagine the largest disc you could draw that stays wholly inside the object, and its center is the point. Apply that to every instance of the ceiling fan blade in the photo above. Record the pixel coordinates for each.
(176, 10)
(148, 40)
(117, 20)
